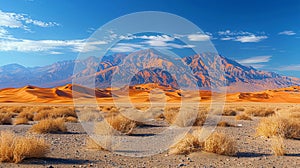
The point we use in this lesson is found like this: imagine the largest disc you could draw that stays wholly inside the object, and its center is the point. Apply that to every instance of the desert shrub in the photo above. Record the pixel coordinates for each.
(111, 109)
(186, 145)
(225, 124)
(26, 114)
(71, 119)
(220, 143)
(49, 126)
(89, 116)
(14, 148)
(240, 109)
(260, 111)
(19, 121)
(5, 118)
(243, 117)
(186, 117)
(115, 125)
(229, 112)
(57, 112)
(277, 146)
(279, 126)
(91, 144)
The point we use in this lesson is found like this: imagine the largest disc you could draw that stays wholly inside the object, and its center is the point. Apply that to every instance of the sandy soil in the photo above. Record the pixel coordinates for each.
(68, 150)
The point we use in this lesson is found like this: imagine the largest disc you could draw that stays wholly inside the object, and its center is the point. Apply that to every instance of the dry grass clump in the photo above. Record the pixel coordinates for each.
(5, 118)
(277, 146)
(115, 124)
(260, 111)
(229, 112)
(216, 143)
(49, 126)
(243, 117)
(279, 126)
(186, 118)
(240, 109)
(89, 116)
(57, 112)
(220, 143)
(26, 114)
(20, 121)
(111, 109)
(225, 124)
(187, 145)
(91, 144)
(71, 119)
(14, 148)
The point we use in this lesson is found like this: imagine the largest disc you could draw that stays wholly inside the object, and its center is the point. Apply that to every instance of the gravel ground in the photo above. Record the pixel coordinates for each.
(68, 150)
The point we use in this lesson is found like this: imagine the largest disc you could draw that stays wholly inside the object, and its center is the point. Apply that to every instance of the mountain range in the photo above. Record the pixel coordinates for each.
(147, 66)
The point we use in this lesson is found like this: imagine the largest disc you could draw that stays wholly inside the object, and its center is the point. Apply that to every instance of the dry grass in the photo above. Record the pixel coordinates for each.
(187, 145)
(220, 143)
(115, 125)
(89, 116)
(54, 112)
(279, 126)
(229, 112)
(20, 121)
(225, 124)
(260, 111)
(49, 126)
(71, 119)
(15, 148)
(91, 144)
(277, 146)
(243, 117)
(5, 118)
(186, 118)
(26, 114)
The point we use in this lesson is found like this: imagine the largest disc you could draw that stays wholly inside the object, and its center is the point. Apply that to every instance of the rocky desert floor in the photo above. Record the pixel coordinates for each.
(68, 149)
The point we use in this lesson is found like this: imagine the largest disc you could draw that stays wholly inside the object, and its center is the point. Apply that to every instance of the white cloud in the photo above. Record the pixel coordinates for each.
(290, 68)
(250, 38)
(14, 20)
(241, 36)
(254, 60)
(126, 47)
(198, 37)
(25, 45)
(287, 32)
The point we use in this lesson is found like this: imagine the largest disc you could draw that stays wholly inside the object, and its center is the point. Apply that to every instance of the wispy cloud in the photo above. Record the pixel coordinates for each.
(295, 67)
(15, 20)
(255, 61)
(287, 32)
(241, 36)
(25, 45)
(198, 37)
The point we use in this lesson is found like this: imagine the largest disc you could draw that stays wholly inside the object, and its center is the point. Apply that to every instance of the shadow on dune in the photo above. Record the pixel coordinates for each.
(48, 161)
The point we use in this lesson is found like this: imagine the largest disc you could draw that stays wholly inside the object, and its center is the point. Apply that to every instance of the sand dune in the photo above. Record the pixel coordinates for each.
(139, 93)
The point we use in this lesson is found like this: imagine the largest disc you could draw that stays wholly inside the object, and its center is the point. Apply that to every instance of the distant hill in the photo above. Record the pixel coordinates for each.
(208, 69)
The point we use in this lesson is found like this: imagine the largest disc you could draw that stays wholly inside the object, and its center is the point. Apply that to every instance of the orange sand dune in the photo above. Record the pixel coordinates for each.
(138, 94)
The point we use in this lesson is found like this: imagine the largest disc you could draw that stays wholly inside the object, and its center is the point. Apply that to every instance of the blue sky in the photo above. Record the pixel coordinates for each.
(263, 34)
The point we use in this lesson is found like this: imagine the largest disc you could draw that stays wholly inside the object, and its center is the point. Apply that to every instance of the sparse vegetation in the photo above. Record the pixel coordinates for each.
(277, 146)
(91, 144)
(5, 118)
(115, 124)
(243, 117)
(225, 124)
(49, 126)
(187, 145)
(19, 121)
(220, 143)
(229, 112)
(260, 111)
(279, 126)
(14, 148)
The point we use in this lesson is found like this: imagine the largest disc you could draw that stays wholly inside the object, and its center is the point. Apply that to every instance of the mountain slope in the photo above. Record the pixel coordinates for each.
(147, 66)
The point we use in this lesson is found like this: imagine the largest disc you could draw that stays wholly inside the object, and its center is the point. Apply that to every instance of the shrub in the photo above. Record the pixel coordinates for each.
(19, 121)
(225, 124)
(5, 118)
(279, 126)
(277, 146)
(220, 144)
(114, 124)
(243, 117)
(260, 112)
(49, 126)
(26, 114)
(186, 145)
(71, 119)
(229, 112)
(15, 148)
